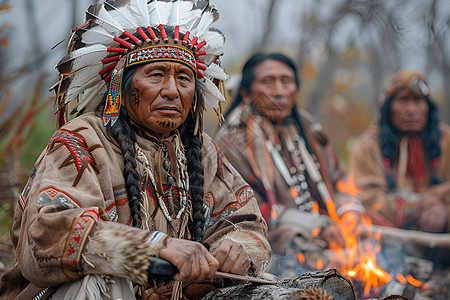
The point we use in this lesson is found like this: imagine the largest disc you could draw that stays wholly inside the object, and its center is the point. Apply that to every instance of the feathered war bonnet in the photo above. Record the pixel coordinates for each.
(122, 33)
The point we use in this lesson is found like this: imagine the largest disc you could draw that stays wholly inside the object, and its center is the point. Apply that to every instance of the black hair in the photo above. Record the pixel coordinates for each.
(248, 74)
(126, 136)
(389, 134)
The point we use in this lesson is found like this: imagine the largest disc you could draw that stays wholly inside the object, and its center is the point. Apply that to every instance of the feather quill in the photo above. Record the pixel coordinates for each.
(92, 97)
(81, 58)
(209, 16)
(123, 16)
(77, 87)
(103, 18)
(96, 35)
(140, 10)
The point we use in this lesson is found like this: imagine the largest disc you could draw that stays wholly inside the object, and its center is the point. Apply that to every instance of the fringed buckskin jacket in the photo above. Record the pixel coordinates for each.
(268, 158)
(73, 217)
(368, 170)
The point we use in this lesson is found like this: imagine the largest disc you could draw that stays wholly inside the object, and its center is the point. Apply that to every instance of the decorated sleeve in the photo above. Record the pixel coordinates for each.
(233, 213)
(63, 221)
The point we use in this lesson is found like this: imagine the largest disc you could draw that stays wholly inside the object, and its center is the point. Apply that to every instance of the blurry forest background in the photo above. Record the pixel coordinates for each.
(345, 50)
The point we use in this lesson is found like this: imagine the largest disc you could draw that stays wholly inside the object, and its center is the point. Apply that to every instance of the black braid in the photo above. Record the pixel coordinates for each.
(193, 146)
(124, 134)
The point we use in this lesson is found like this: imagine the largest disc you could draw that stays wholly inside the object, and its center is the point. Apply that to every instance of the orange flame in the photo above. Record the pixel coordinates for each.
(401, 278)
(319, 264)
(347, 185)
(316, 231)
(358, 259)
(413, 281)
(301, 258)
(273, 214)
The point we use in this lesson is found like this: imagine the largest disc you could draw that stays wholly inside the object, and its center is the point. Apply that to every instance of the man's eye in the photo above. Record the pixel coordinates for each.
(156, 74)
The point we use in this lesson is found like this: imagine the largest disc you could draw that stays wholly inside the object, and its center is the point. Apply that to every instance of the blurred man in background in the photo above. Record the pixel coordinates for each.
(402, 166)
(284, 157)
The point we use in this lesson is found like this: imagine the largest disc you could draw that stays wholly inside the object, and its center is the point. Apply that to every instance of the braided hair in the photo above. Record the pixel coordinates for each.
(125, 135)
(193, 145)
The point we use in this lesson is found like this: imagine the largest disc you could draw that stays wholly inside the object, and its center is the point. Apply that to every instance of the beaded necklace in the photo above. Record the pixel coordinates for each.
(182, 180)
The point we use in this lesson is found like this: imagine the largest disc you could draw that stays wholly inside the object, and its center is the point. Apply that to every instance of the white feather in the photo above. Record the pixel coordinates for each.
(140, 10)
(96, 35)
(78, 86)
(153, 16)
(91, 97)
(104, 19)
(211, 93)
(123, 16)
(163, 11)
(214, 40)
(214, 71)
(83, 57)
(206, 20)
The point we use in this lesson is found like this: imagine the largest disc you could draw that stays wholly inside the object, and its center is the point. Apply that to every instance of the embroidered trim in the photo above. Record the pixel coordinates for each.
(79, 152)
(51, 195)
(242, 197)
(74, 245)
(154, 238)
(210, 200)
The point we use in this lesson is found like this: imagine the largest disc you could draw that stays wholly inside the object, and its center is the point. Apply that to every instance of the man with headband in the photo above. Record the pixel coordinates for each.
(402, 166)
(133, 176)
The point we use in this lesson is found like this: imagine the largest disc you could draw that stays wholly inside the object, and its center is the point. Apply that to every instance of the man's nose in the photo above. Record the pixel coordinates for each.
(411, 106)
(279, 89)
(169, 89)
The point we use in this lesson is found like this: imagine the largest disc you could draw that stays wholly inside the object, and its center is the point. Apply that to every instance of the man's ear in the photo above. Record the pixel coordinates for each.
(245, 95)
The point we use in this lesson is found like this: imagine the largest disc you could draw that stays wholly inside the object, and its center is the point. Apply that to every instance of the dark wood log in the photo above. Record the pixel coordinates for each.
(332, 281)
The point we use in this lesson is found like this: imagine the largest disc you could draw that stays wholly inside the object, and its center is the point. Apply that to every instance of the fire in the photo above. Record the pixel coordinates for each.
(358, 259)
(301, 258)
(273, 214)
(413, 281)
(401, 278)
(316, 231)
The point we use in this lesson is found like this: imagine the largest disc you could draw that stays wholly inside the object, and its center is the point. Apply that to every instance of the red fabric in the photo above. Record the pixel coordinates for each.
(415, 166)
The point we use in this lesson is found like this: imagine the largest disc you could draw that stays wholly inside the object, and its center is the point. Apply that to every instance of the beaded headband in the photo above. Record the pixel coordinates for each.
(404, 80)
(100, 50)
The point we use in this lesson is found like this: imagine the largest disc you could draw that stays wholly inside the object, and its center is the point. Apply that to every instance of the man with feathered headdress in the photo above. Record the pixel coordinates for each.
(402, 166)
(132, 177)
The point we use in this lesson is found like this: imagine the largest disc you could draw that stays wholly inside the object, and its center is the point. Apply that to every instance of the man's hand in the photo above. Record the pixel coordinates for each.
(192, 260)
(232, 257)
(433, 218)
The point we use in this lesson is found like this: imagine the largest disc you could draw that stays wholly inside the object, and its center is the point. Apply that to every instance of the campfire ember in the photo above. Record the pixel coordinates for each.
(373, 258)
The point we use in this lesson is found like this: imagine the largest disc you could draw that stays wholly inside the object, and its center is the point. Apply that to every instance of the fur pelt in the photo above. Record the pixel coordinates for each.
(126, 254)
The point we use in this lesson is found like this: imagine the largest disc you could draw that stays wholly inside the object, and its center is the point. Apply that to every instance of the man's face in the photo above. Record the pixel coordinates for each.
(409, 111)
(273, 92)
(161, 96)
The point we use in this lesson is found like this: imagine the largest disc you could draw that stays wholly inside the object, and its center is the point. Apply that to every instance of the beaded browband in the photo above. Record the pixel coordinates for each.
(104, 46)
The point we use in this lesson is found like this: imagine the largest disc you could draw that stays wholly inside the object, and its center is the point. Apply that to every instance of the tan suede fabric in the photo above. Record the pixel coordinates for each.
(76, 197)
(239, 141)
(366, 165)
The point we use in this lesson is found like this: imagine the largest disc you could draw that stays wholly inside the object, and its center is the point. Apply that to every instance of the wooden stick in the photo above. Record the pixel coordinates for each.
(432, 240)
